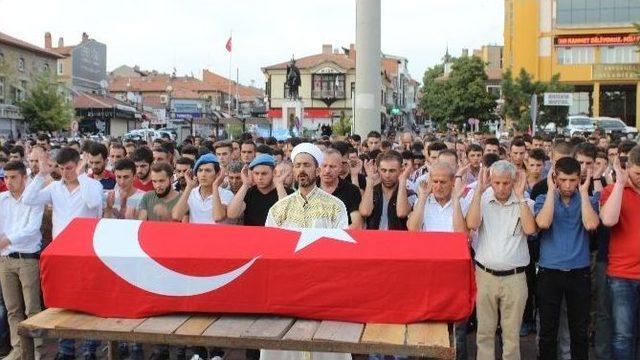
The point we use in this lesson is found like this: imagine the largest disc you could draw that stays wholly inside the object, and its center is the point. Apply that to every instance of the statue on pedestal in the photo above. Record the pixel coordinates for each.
(293, 79)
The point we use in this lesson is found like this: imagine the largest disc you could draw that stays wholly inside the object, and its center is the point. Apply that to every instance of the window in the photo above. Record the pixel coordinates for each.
(1, 90)
(1, 57)
(494, 90)
(575, 55)
(45, 67)
(60, 68)
(328, 86)
(580, 103)
(589, 12)
(619, 54)
(21, 64)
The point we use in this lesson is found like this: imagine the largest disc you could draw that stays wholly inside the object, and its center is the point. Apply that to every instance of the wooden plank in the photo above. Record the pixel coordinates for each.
(384, 334)
(302, 330)
(119, 325)
(428, 334)
(230, 326)
(269, 327)
(196, 325)
(47, 319)
(79, 321)
(339, 331)
(166, 324)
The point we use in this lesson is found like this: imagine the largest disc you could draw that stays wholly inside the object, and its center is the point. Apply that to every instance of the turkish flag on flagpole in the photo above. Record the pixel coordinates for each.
(229, 45)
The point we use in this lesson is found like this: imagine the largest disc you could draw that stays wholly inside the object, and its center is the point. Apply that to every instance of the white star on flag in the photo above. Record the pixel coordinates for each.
(309, 236)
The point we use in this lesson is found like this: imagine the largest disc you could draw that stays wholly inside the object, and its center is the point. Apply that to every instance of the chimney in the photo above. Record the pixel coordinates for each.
(327, 48)
(352, 51)
(465, 52)
(85, 36)
(61, 42)
(47, 40)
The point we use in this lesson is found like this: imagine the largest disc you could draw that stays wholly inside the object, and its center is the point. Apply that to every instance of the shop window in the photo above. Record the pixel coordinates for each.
(580, 104)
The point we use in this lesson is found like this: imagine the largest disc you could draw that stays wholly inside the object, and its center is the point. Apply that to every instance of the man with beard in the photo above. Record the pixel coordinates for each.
(309, 207)
(157, 205)
(183, 166)
(203, 200)
(385, 203)
(143, 158)
(261, 188)
(97, 161)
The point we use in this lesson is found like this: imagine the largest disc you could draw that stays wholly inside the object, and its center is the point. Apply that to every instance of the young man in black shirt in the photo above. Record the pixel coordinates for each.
(261, 188)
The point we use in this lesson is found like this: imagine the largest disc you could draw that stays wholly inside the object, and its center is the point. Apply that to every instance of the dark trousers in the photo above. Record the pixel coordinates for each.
(575, 287)
(529, 316)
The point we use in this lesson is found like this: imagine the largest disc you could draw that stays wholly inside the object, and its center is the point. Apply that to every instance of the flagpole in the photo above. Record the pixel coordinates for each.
(229, 78)
(237, 81)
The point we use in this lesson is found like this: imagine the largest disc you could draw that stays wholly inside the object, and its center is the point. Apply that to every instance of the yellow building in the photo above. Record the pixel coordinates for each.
(592, 44)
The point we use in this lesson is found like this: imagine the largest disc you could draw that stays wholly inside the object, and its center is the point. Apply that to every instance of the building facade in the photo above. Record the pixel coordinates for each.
(592, 44)
(327, 90)
(20, 62)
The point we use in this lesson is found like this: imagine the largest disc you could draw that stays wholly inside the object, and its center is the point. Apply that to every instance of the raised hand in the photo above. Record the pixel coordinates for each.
(372, 171)
(425, 187)
(484, 179)
(355, 166)
(219, 179)
(280, 175)
(621, 174)
(584, 187)
(190, 180)
(520, 184)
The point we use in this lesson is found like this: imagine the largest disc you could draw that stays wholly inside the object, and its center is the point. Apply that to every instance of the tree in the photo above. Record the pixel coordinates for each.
(343, 126)
(517, 100)
(45, 108)
(459, 96)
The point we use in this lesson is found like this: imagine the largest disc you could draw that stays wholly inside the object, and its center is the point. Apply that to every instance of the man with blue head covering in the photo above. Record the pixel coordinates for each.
(203, 199)
(261, 188)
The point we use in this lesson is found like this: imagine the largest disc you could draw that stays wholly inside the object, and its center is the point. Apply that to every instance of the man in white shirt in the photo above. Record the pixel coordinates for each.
(74, 195)
(441, 208)
(203, 198)
(124, 200)
(20, 241)
(503, 218)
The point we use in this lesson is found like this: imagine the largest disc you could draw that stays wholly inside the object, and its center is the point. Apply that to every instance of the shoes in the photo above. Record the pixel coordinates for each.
(61, 356)
(123, 352)
(159, 355)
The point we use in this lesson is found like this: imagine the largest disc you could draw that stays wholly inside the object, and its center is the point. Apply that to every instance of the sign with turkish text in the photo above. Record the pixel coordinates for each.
(131, 269)
(558, 99)
(597, 39)
(615, 71)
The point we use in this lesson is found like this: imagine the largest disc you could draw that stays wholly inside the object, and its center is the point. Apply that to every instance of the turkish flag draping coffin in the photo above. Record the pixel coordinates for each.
(130, 269)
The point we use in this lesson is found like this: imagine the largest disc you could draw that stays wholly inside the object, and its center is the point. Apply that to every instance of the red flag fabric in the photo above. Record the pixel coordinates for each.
(228, 46)
(129, 269)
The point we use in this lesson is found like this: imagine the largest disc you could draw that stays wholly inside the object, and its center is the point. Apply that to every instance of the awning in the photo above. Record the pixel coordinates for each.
(317, 113)
(274, 113)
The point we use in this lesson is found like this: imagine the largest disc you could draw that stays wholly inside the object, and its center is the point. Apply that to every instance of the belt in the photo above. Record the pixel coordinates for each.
(517, 270)
(24, 255)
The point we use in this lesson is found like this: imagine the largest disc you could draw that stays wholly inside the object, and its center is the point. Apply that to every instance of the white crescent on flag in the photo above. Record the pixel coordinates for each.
(117, 245)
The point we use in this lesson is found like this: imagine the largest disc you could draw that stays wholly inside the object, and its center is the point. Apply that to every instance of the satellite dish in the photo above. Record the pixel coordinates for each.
(104, 84)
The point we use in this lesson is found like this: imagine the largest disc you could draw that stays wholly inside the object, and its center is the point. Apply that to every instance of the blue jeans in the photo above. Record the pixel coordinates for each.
(625, 296)
(68, 346)
(602, 325)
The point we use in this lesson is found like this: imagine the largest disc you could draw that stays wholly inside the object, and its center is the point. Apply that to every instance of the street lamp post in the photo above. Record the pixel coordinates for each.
(169, 90)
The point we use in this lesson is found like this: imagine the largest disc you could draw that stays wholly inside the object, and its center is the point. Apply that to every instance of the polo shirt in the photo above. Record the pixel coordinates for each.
(565, 245)
(502, 243)
(624, 242)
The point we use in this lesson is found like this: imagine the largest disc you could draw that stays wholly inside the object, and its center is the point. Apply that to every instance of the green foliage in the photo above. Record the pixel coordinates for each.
(517, 100)
(45, 108)
(343, 126)
(459, 96)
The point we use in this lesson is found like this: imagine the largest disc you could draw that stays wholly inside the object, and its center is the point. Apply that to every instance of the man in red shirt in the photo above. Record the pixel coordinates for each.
(620, 204)
(143, 157)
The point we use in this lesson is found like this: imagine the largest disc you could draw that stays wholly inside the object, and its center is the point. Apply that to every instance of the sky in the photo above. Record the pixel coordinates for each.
(191, 34)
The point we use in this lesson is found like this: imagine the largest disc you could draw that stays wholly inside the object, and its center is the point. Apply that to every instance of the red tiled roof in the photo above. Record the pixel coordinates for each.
(10, 40)
(390, 66)
(84, 100)
(308, 62)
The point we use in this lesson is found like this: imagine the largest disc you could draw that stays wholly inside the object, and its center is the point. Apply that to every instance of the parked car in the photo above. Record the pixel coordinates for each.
(614, 126)
(141, 134)
(579, 125)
